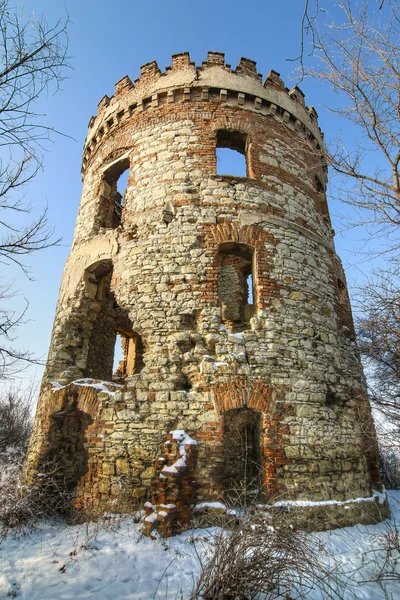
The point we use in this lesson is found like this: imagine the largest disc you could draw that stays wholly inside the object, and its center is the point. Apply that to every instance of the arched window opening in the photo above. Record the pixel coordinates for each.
(128, 355)
(235, 285)
(231, 153)
(116, 182)
(242, 455)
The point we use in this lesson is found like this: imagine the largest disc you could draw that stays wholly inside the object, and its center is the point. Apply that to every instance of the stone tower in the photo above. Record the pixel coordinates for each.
(240, 370)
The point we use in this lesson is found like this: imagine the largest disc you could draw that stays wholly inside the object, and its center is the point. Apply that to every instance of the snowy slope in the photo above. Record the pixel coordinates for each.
(60, 562)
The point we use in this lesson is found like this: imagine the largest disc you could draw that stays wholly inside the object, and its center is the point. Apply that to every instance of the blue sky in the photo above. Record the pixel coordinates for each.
(111, 39)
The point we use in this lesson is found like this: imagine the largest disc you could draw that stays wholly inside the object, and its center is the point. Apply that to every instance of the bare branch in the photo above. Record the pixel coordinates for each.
(359, 57)
(33, 60)
(379, 340)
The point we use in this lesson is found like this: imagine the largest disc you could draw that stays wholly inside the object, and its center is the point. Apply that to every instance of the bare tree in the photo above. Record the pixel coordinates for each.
(33, 60)
(358, 55)
(309, 24)
(379, 340)
(356, 50)
(378, 328)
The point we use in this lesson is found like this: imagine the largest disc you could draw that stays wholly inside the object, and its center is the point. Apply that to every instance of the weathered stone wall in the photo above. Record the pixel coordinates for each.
(185, 236)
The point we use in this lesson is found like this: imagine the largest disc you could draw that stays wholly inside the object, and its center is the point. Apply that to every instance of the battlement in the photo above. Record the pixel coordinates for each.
(213, 81)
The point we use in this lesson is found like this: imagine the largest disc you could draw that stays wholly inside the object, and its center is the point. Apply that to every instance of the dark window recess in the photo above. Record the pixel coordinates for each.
(186, 383)
(187, 321)
(168, 213)
(333, 398)
(319, 185)
(236, 290)
(231, 153)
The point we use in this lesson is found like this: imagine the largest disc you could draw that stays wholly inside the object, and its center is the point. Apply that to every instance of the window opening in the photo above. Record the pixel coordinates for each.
(118, 354)
(230, 162)
(128, 354)
(116, 177)
(250, 289)
(231, 153)
(235, 285)
(122, 184)
(99, 278)
(188, 321)
(187, 384)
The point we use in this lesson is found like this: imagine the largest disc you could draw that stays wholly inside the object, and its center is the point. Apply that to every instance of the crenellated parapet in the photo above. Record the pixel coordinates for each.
(212, 82)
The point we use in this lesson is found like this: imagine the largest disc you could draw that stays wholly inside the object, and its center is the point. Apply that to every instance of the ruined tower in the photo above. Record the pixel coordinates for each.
(240, 370)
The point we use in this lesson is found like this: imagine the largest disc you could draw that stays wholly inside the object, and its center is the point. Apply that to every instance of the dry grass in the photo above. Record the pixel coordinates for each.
(255, 557)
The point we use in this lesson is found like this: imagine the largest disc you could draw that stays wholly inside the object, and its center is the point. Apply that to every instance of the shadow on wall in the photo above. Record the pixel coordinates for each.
(67, 439)
(115, 351)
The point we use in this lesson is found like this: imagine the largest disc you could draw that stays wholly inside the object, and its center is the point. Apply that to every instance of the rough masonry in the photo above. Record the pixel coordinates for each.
(240, 374)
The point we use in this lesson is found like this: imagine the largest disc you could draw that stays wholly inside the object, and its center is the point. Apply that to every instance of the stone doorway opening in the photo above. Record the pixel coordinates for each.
(242, 456)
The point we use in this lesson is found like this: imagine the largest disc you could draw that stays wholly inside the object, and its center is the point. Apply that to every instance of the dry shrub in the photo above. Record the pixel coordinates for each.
(381, 564)
(53, 494)
(386, 556)
(22, 506)
(16, 404)
(255, 558)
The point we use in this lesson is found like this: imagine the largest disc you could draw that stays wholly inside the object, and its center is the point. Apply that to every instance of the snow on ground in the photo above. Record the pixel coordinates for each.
(90, 562)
